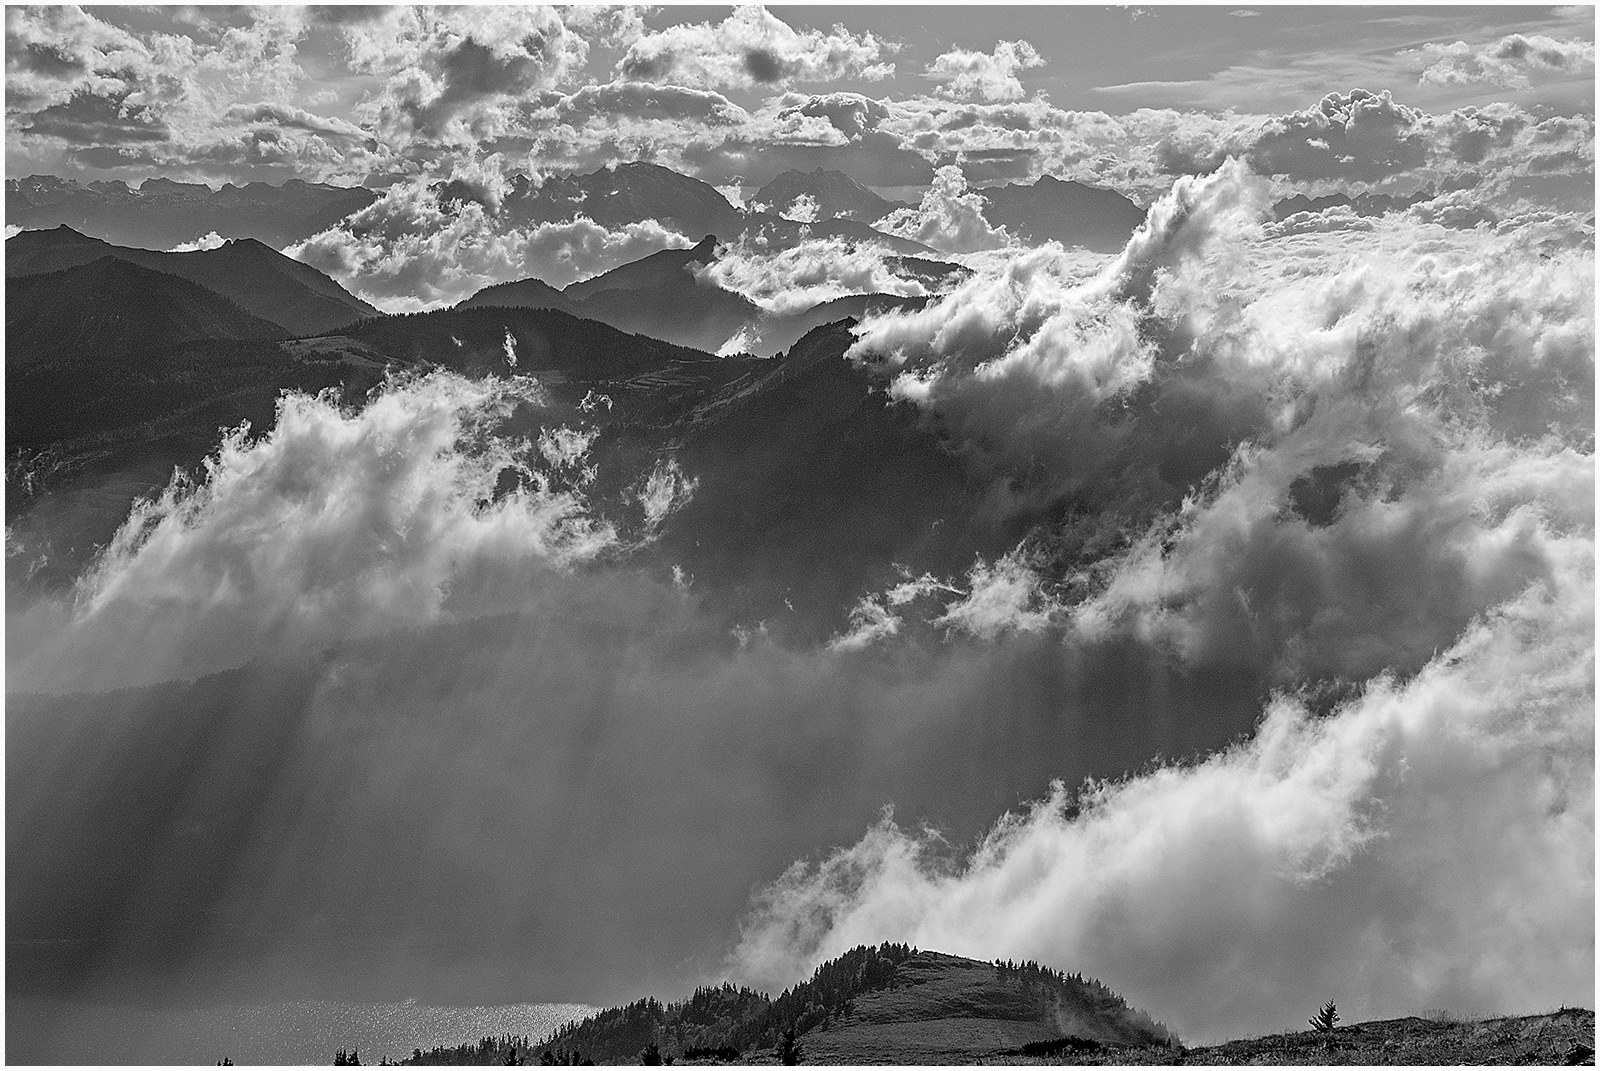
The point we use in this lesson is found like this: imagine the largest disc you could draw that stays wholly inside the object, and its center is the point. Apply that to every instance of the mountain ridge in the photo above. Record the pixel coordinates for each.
(850, 1008)
(834, 194)
(1066, 211)
(245, 271)
(162, 213)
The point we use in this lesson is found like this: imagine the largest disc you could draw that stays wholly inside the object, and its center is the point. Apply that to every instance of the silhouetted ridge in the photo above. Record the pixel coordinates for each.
(1068, 212)
(110, 308)
(161, 213)
(617, 196)
(865, 993)
(835, 193)
(252, 275)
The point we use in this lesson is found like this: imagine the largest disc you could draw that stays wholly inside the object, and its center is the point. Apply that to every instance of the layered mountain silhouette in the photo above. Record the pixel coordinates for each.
(129, 360)
(1067, 212)
(110, 309)
(832, 193)
(662, 295)
(659, 294)
(161, 213)
(886, 1005)
(616, 196)
(111, 344)
(258, 279)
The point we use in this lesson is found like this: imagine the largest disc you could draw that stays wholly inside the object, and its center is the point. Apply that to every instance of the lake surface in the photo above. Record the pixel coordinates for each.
(299, 1032)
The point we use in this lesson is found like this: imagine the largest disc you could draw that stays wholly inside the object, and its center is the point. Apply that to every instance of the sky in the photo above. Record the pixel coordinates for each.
(372, 94)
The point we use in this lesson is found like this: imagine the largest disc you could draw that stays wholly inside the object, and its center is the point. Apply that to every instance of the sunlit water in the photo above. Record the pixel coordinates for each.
(302, 1032)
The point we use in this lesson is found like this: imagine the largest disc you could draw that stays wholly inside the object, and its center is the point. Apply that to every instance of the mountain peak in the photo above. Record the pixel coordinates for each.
(835, 194)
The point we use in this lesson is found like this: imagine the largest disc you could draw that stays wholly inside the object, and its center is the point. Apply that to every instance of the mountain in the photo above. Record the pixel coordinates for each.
(161, 213)
(776, 333)
(109, 309)
(659, 295)
(258, 279)
(669, 267)
(616, 196)
(110, 345)
(628, 193)
(812, 482)
(778, 233)
(473, 341)
(1064, 211)
(834, 193)
(886, 1005)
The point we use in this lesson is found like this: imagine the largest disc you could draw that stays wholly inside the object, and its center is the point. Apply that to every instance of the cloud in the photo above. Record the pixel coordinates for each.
(1357, 135)
(1016, 360)
(407, 251)
(1001, 596)
(949, 219)
(287, 115)
(1508, 62)
(1354, 467)
(454, 77)
(814, 271)
(213, 240)
(803, 209)
(1214, 379)
(967, 75)
(1430, 844)
(752, 48)
(54, 53)
(331, 524)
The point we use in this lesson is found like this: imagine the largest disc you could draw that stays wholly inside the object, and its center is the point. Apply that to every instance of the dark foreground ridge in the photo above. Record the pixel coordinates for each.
(1561, 1038)
(890, 1004)
(896, 1005)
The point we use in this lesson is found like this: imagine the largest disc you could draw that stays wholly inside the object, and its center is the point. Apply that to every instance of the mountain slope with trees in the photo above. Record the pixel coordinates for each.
(258, 279)
(889, 1004)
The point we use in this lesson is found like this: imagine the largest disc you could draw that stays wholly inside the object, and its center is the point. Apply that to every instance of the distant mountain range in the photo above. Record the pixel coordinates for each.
(886, 1005)
(1071, 213)
(161, 213)
(661, 295)
(125, 362)
(832, 194)
(617, 196)
(260, 280)
(114, 367)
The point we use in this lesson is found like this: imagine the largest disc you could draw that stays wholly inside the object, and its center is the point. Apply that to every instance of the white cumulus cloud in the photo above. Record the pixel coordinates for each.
(968, 75)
